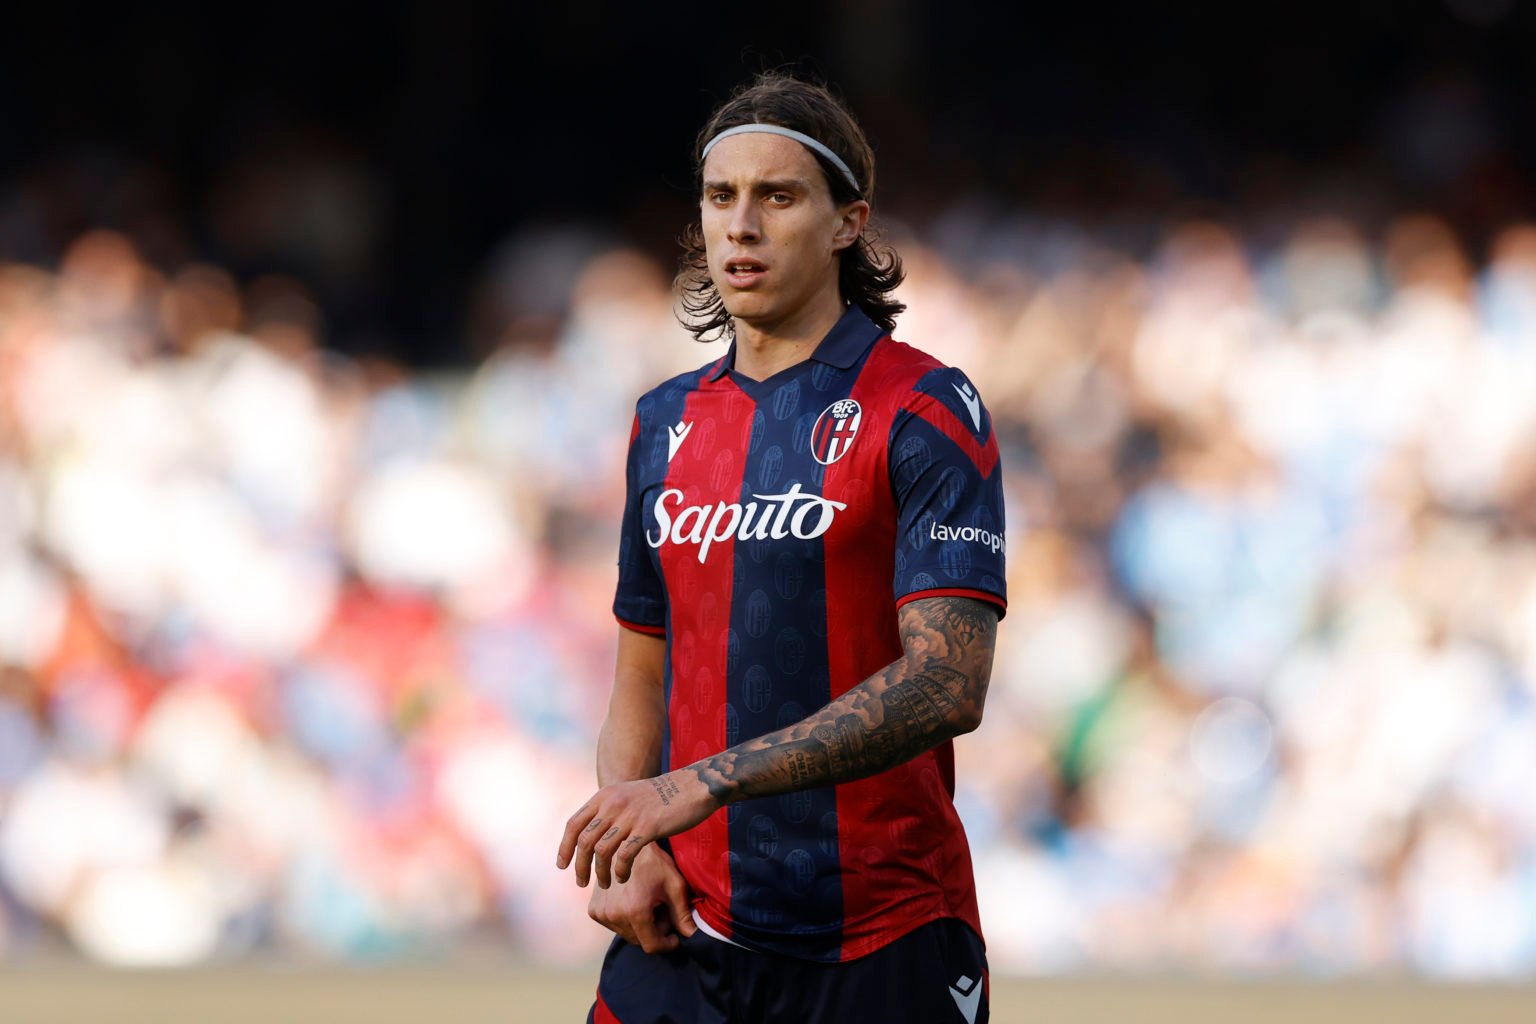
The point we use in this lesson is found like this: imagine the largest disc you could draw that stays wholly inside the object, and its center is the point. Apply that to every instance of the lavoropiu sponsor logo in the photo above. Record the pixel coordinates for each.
(972, 534)
(767, 517)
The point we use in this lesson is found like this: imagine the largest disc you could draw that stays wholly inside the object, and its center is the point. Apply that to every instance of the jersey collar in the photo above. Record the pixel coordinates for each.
(843, 346)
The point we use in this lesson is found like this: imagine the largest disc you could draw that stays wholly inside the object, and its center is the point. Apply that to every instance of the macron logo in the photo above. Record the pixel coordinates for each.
(675, 436)
(972, 402)
(967, 996)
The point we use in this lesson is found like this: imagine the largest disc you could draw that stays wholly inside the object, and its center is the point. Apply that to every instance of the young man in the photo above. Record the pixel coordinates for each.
(810, 577)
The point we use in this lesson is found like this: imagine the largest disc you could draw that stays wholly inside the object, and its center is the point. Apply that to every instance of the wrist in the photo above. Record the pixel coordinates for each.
(704, 780)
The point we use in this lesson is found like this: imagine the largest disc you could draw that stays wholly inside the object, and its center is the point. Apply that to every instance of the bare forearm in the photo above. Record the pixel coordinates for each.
(629, 745)
(933, 693)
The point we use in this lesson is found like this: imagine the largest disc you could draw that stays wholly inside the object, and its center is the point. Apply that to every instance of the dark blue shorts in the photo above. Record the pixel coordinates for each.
(935, 974)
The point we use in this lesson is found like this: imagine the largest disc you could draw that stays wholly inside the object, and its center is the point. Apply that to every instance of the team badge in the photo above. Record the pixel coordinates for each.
(835, 430)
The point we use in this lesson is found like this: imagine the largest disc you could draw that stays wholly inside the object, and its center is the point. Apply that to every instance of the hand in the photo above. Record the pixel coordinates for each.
(617, 823)
(652, 909)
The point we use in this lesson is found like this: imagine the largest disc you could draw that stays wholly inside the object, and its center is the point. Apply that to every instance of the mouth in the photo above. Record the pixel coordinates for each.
(743, 272)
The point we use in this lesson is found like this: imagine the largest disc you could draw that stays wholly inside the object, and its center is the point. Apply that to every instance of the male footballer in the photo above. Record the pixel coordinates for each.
(810, 578)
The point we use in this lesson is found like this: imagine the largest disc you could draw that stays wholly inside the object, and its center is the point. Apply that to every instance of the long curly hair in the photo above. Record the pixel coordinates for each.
(868, 271)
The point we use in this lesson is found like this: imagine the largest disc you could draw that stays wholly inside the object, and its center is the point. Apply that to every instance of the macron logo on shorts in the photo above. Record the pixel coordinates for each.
(967, 996)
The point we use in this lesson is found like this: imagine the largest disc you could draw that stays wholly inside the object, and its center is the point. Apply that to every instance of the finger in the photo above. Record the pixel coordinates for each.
(624, 860)
(619, 927)
(614, 923)
(650, 936)
(678, 904)
(573, 828)
(602, 859)
(583, 864)
(585, 841)
(614, 916)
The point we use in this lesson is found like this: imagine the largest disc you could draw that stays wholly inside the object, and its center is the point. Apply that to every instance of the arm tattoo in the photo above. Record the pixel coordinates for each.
(931, 694)
(666, 789)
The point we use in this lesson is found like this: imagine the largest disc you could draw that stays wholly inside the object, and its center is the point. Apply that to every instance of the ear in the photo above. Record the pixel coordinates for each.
(850, 224)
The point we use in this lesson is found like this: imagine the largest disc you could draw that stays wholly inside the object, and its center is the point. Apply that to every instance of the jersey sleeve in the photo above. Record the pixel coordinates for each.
(946, 477)
(640, 602)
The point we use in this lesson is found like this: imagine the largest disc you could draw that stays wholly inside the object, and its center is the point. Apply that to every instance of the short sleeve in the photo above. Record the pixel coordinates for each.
(946, 477)
(640, 602)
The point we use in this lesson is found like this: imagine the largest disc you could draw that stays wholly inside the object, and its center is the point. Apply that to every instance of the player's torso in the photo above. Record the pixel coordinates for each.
(768, 511)
(753, 496)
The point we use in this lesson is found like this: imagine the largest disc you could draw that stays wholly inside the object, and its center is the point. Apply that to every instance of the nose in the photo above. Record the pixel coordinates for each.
(744, 225)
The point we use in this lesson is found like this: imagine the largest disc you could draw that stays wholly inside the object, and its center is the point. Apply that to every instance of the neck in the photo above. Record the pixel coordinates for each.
(763, 349)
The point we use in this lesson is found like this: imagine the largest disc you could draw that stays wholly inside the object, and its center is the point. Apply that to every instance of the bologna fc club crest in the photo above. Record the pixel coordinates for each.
(835, 430)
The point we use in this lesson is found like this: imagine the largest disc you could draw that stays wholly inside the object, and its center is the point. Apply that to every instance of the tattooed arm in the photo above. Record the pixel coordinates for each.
(934, 692)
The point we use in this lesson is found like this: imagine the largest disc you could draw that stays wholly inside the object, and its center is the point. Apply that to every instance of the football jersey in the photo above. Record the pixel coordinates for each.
(771, 531)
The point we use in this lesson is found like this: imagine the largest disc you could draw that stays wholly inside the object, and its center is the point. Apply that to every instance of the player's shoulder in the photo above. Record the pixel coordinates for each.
(902, 366)
(677, 387)
(663, 402)
(914, 377)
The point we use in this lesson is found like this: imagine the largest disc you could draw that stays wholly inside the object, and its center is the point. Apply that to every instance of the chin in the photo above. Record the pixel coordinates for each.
(748, 307)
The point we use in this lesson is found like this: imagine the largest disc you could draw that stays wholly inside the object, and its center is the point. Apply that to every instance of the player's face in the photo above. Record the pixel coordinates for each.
(772, 233)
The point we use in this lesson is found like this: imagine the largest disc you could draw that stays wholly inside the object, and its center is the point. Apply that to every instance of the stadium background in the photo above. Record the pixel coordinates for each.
(319, 336)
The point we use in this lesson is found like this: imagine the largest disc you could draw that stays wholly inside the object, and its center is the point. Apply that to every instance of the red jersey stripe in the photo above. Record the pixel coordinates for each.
(601, 1014)
(901, 868)
(943, 419)
(699, 597)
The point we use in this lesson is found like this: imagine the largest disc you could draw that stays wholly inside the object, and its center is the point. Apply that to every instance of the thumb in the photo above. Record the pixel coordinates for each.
(680, 906)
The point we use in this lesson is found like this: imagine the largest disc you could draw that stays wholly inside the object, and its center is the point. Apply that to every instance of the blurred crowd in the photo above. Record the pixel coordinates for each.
(305, 654)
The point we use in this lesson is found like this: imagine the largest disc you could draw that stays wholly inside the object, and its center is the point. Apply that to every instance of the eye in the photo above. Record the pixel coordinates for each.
(780, 199)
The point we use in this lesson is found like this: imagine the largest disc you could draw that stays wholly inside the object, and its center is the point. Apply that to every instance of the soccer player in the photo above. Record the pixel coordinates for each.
(810, 578)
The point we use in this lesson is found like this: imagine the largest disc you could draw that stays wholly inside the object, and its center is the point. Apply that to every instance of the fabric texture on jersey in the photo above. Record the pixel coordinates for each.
(936, 974)
(771, 530)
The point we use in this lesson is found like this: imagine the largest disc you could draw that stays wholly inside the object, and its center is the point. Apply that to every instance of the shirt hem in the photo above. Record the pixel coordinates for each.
(641, 627)
(846, 950)
(712, 932)
(980, 595)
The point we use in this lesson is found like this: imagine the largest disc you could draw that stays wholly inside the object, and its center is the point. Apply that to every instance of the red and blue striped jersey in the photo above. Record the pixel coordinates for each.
(771, 530)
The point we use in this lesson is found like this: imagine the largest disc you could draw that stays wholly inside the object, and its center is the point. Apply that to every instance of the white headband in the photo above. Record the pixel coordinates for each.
(789, 133)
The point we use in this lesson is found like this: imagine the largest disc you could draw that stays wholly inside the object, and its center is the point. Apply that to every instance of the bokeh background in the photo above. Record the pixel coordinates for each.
(320, 332)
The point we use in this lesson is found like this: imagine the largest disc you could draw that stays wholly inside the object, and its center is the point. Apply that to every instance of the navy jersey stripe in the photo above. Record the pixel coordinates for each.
(784, 853)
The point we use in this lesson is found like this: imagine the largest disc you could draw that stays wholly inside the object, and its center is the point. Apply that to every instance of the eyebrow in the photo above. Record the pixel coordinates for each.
(779, 185)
